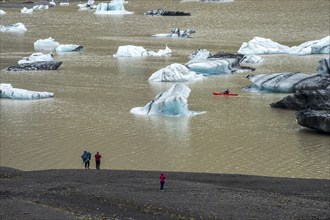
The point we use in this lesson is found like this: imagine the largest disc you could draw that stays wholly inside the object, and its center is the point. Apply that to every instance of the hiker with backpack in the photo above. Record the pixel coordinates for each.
(86, 157)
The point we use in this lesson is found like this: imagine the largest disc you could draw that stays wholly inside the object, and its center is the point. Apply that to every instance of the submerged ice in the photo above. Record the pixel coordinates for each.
(172, 102)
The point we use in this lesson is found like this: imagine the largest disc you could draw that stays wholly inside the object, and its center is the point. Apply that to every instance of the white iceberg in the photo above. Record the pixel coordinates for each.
(52, 3)
(36, 57)
(312, 47)
(175, 73)
(69, 48)
(48, 44)
(115, 7)
(7, 91)
(2, 12)
(138, 51)
(17, 28)
(259, 45)
(26, 10)
(173, 102)
(40, 7)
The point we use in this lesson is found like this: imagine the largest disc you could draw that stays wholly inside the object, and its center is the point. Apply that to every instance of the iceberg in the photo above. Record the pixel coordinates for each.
(35, 57)
(161, 12)
(69, 48)
(177, 33)
(7, 91)
(175, 73)
(115, 7)
(288, 82)
(172, 102)
(2, 12)
(35, 66)
(48, 44)
(259, 45)
(17, 28)
(324, 66)
(138, 51)
(52, 3)
(26, 10)
(252, 59)
(40, 7)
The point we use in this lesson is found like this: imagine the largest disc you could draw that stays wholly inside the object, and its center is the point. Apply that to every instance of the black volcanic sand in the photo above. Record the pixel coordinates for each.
(113, 194)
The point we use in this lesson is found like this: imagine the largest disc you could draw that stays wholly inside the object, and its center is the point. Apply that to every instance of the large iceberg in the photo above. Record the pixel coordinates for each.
(7, 91)
(115, 7)
(175, 73)
(173, 102)
(35, 57)
(48, 44)
(288, 82)
(137, 51)
(18, 27)
(259, 45)
(201, 61)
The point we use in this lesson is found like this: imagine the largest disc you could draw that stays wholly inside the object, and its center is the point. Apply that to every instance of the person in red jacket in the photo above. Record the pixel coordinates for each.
(162, 181)
(98, 160)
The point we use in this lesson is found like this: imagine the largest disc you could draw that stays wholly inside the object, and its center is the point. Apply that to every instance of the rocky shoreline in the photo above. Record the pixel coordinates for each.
(114, 194)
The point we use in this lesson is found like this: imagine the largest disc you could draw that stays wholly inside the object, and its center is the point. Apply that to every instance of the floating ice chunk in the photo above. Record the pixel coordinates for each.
(138, 51)
(35, 66)
(260, 45)
(7, 91)
(288, 82)
(48, 44)
(312, 47)
(26, 10)
(52, 3)
(176, 33)
(115, 7)
(69, 48)
(200, 54)
(40, 7)
(18, 28)
(35, 57)
(2, 12)
(175, 73)
(173, 102)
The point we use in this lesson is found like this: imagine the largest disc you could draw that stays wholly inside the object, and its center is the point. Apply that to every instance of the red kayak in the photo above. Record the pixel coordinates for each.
(223, 94)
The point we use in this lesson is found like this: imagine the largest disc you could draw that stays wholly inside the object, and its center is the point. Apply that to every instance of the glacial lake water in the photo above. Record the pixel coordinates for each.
(94, 91)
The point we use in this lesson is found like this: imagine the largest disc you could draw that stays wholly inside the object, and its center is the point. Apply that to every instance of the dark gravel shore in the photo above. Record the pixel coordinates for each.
(112, 194)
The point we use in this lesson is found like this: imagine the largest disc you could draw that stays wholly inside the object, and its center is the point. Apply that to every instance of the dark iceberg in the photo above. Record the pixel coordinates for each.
(160, 12)
(41, 65)
(318, 120)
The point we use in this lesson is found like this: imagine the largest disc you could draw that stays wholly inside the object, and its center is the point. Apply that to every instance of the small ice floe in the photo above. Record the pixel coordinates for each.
(35, 66)
(87, 6)
(259, 45)
(173, 102)
(52, 3)
(161, 12)
(26, 10)
(177, 33)
(2, 12)
(35, 57)
(115, 7)
(175, 73)
(138, 51)
(48, 44)
(7, 91)
(40, 7)
(64, 3)
(69, 48)
(14, 28)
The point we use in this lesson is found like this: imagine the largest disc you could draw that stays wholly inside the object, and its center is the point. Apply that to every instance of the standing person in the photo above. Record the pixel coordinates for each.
(162, 181)
(86, 157)
(98, 160)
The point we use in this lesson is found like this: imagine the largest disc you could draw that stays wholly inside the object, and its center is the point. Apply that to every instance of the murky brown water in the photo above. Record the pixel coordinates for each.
(94, 92)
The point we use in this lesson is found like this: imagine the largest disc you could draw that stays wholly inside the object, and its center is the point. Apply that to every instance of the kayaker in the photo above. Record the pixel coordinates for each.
(226, 92)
